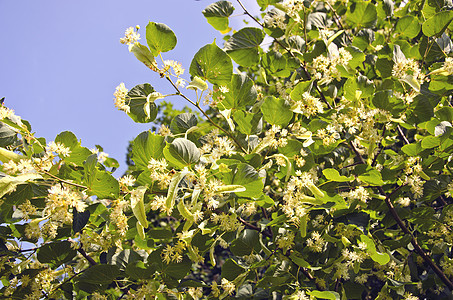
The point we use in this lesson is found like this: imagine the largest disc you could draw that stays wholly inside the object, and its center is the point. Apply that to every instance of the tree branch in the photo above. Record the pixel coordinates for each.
(87, 257)
(404, 228)
(323, 98)
(251, 226)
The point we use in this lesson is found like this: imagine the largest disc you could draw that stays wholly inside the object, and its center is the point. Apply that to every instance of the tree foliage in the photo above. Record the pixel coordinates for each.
(320, 169)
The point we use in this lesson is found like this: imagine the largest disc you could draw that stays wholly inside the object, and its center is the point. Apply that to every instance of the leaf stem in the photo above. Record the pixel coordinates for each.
(64, 181)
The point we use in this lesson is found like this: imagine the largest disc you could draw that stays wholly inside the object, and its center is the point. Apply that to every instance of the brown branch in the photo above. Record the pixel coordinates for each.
(414, 242)
(311, 278)
(323, 98)
(206, 116)
(337, 19)
(87, 257)
(251, 226)
(404, 228)
(380, 148)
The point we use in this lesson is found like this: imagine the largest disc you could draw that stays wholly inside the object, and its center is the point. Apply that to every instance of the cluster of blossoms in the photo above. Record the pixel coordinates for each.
(286, 241)
(293, 7)
(308, 106)
(316, 243)
(158, 172)
(173, 254)
(60, 198)
(326, 67)
(121, 98)
(131, 36)
(295, 195)
(227, 222)
(178, 70)
(216, 146)
(6, 113)
(275, 137)
(407, 67)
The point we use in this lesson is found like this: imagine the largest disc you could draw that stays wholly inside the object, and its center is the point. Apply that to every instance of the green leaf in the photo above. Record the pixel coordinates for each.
(99, 183)
(276, 111)
(100, 274)
(143, 54)
(245, 175)
(300, 89)
(8, 135)
(123, 258)
(177, 270)
(362, 14)
(138, 270)
(79, 219)
(333, 175)
(160, 38)
(243, 46)
(276, 64)
(145, 146)
(9, 184)
(56, 253)
(245, 243)
(248, 123)
(182, 153)
(217, 14)
(183, 122)
(430, 141)
(299, 261)
(142, 110)
(438, 23)
(231, 270)
(325, 295)
(380, 258)
(265, 3)
(138, 205)
(78, 153)
(198, 84)
(372, 177)
(412, 149)
(408, 26)
(172, 192)
(242, 93)
(385, 100)
(212, 64)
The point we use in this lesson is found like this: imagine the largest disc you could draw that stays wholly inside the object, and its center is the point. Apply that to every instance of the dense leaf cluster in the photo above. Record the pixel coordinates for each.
(319, 167)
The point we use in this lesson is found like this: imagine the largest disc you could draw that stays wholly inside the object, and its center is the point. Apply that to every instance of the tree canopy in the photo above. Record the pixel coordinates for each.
(317, 164)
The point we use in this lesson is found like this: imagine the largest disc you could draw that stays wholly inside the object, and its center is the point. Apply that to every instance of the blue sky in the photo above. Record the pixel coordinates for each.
(61, 61)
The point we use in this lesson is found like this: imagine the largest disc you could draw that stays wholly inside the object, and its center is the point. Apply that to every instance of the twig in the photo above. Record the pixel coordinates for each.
(337, 19)
(400, 131)
(204, 114)
(380, 148)
(359, 156)
(323, 98)
(64, 181)
(84, 254)
(442, 199)
(311, 278)
(404, 228)
(251, 226)
(337, 285)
